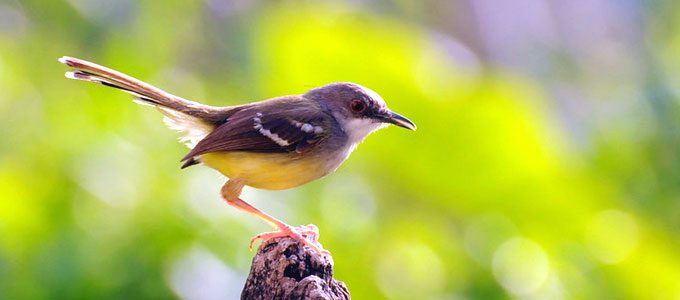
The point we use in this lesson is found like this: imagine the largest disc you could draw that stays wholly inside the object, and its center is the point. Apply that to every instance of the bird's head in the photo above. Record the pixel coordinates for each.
(359, 110)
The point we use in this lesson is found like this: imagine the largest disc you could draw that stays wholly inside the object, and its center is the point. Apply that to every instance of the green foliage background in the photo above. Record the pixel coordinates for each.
(501, 193)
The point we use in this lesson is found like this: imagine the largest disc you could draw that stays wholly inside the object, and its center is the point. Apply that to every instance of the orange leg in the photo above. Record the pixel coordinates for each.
(308, 235)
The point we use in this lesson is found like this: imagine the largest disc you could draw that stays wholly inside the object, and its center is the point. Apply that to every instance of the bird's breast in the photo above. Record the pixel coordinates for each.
(273, 171)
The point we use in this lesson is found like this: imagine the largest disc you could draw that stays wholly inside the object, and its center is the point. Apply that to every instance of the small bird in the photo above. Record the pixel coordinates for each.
(274, 144)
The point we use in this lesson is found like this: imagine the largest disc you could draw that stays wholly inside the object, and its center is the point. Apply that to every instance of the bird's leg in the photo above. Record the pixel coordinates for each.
(308, 235)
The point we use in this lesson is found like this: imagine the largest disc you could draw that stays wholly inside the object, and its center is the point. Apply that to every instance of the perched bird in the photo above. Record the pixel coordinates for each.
(273, 144)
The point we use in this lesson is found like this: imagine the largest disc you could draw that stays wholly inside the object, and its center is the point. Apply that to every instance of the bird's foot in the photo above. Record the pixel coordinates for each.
(307, 234)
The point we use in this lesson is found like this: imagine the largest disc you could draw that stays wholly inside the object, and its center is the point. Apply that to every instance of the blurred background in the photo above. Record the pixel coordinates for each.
(545, 165)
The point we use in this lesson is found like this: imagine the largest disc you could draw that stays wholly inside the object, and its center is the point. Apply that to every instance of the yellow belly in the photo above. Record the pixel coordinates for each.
(271, 171)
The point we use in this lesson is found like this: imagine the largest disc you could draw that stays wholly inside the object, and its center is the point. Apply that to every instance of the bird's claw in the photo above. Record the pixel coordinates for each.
(307, 234)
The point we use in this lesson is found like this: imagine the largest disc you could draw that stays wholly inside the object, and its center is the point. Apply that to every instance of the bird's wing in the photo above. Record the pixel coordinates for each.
(290, 127)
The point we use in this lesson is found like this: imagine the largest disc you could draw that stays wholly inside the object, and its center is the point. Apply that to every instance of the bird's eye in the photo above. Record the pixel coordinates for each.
(357, 106)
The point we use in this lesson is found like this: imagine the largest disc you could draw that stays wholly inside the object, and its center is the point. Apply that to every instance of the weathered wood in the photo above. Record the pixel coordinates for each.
(284, 269)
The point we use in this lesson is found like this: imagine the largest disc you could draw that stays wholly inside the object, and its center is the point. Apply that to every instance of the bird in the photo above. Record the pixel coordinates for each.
(273, 144)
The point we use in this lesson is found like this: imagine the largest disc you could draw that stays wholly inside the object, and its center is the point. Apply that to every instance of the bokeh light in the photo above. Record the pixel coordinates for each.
(521, 266)
(612, 236)
(409, 270)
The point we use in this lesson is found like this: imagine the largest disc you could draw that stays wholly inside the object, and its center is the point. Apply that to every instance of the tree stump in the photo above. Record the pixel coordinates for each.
(284, 269)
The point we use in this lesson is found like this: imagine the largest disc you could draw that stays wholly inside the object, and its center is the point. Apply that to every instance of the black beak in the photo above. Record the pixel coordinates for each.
(399, 120)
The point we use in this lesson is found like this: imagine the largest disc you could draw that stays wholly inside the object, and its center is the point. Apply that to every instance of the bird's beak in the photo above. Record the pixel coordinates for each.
(399, 120)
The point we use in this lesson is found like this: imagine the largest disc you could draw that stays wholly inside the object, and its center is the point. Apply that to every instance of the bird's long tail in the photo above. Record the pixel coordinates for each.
(194, 119)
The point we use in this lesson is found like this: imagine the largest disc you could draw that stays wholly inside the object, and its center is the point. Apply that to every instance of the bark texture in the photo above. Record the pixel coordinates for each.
(284, 269)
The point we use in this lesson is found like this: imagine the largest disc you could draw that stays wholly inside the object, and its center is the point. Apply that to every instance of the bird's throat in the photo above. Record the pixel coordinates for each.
(358, 129)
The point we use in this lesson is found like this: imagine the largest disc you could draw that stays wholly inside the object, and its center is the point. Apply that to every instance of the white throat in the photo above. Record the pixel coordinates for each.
(358, 129)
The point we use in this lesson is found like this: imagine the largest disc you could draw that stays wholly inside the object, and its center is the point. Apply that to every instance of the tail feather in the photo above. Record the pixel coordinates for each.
(86, 76)
(195, 120)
